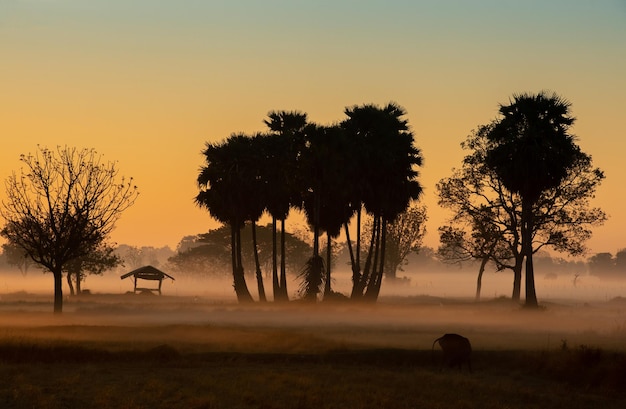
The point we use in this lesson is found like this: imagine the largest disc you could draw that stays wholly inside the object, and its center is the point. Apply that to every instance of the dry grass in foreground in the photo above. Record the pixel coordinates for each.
(46, 375)
(115, 352)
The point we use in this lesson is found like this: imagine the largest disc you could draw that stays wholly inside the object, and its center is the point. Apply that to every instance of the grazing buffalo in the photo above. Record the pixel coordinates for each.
(456, 350)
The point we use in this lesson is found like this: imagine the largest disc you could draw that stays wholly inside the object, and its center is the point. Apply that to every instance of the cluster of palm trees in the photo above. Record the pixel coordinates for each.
(368, 162)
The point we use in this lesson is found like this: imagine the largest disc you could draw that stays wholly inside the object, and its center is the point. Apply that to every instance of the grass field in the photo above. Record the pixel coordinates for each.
(125, 351)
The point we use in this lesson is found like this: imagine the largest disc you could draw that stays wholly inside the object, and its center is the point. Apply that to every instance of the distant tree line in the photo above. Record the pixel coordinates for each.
(208, 254)
(216, 263)
(608, 266)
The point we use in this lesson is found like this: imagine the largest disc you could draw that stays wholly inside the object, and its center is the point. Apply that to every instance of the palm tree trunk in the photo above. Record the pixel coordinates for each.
(259, 273)
(275, 283)
(283, 263)
(359, 286)
(358, 239)
(355, 271)
(381, 269)
(239, 280)
(316, 260)
(355, 255)
(327, 289)
(527, 246)
(373, 276)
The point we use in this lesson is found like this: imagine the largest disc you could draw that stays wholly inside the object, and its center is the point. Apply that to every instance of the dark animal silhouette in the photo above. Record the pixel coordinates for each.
(456, 350)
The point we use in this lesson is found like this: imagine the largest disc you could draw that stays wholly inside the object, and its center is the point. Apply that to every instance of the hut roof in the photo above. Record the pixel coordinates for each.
(147, 272)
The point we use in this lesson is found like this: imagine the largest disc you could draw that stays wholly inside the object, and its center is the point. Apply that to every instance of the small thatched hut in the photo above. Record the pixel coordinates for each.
(147, 273)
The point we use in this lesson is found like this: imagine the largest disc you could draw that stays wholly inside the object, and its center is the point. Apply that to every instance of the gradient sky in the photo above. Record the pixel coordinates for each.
(148, 82)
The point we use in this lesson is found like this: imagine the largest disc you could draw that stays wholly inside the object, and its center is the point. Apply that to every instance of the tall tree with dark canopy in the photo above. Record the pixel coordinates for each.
(63, 206)
(223, 193)
(257, 198)
(532, 153)
(385, 181)
(313, 163)
(283, 147)
(487, 217)
(325, 202)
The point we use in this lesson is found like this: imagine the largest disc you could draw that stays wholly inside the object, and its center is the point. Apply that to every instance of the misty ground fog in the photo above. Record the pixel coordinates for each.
(449, 283)
(204, 311)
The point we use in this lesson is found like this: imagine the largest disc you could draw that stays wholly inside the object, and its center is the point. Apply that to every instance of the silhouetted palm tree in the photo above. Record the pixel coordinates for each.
(312, 163)
(222, 184)
(282, 149)
(386, 168)
(327, 204)
(256, 186)
(532, 153)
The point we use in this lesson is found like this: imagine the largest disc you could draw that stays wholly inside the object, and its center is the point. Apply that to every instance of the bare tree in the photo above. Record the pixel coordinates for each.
(62, 206)
(404, 235)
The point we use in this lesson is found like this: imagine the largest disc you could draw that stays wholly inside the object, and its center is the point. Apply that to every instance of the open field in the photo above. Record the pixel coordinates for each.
(136, 351)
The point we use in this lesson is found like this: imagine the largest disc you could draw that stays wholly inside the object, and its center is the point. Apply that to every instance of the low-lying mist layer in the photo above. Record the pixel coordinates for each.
(413, 282)
(394, 322)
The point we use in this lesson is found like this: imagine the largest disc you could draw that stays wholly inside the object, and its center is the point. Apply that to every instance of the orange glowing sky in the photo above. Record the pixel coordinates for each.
(147, 83)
